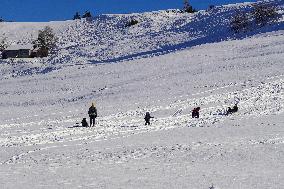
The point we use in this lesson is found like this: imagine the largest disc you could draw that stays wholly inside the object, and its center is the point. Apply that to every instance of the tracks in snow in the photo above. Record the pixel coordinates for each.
(265, 99)
(257, 101)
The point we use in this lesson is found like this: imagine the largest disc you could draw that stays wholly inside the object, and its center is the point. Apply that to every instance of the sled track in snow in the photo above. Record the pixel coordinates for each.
(122, 154)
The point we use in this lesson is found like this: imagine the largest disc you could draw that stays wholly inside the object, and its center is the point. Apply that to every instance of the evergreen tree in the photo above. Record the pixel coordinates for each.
(87, 14)
(46, 40)
(187, 7)
(211, 7)
(77, 16)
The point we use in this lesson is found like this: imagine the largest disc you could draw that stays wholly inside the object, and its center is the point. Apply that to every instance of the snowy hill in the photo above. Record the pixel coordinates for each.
(167, 64)
(107, 39)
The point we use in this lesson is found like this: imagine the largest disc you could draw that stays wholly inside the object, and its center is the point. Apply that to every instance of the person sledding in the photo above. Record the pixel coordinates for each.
(195, 112)
(92, 114)
(147, 118)
(232, 110)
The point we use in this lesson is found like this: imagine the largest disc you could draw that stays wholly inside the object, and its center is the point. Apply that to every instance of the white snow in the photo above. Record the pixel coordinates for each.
(167, 64)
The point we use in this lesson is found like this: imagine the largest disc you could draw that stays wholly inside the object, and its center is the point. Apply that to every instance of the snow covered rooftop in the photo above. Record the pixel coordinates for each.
(17, 47)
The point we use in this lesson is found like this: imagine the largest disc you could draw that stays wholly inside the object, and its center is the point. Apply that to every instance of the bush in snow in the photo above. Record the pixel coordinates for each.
(211, 7)
(2, 20)
(132, 23)
(240, 22)
(264, 14)
(46, 40)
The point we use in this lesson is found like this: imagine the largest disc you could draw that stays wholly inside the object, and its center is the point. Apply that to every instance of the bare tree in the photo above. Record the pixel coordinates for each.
(3, 43)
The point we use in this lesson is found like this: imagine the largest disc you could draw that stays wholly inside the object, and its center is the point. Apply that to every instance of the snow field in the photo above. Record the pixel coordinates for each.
(168, 64)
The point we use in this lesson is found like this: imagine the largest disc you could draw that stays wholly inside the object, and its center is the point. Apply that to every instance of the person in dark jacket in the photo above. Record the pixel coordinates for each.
(195, 112)
(147, 118)
(92, 114)
(232, 110)
(84, 123)
(235, 108)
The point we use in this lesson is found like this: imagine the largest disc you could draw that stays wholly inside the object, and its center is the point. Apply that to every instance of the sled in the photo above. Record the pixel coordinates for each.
(178, 112)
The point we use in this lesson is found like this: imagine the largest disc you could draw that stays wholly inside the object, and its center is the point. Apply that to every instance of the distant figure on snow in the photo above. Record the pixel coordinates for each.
(147, 118)
(92, 114)
(232, 110)
(84, 123)
(195, 112)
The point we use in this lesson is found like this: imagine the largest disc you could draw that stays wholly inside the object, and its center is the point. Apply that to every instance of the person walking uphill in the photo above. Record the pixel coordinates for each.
(147, 118)
(92, 114)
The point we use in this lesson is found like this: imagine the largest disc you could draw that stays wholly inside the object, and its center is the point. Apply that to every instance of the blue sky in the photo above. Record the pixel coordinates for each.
(46, 10)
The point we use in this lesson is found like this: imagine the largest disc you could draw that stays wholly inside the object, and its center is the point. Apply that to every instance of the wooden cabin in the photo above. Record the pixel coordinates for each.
(24, 51)
(17, 51)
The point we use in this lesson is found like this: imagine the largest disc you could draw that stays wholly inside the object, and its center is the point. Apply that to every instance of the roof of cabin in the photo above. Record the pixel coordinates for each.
(18, 47)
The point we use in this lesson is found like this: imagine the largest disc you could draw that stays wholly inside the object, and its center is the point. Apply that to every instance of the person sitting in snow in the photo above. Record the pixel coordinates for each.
(235, 108)
(195, 112)
(84, 123)
(147, 118)
(92, 114)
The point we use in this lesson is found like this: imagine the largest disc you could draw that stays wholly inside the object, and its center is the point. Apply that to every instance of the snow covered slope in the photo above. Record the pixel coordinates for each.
(42, 147)
(107, 39)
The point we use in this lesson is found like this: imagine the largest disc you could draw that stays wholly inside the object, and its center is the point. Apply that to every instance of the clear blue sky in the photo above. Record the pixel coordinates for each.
(46, 10)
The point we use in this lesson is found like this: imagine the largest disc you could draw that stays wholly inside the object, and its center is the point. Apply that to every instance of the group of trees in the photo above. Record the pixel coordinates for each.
(187, 8)
(259, 16)
(77, 15)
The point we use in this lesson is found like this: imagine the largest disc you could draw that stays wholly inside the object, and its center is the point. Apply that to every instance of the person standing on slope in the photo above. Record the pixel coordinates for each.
(147, 118)
(93, 114)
